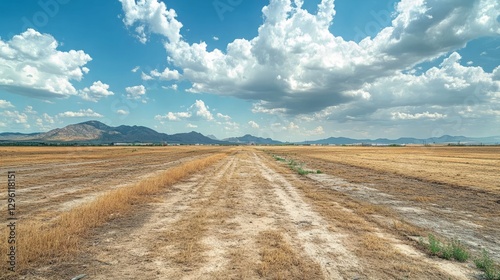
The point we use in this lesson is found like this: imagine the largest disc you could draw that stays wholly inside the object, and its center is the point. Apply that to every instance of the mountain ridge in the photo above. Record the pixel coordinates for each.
(95, 132)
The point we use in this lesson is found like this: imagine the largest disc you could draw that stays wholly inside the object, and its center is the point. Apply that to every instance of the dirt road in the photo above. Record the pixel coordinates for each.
(248, 217)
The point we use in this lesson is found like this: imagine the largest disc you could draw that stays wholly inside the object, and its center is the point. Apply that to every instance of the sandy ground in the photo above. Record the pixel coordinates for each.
(249, 217)
(59, 179)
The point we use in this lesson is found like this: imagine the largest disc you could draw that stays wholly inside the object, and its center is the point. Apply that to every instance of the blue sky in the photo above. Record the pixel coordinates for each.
(291, 70)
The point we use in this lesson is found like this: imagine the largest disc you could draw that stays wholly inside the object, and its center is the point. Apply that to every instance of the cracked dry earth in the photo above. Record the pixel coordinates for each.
(248, 217)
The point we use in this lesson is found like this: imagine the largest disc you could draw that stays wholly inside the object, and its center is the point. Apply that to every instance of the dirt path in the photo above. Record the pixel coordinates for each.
(467, 214)
(248, 218)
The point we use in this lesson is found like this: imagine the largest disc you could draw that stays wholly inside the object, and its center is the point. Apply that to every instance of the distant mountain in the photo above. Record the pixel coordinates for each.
(97, 132)
(17, 135)
(445, 139)
(212, 137)
(248, 139)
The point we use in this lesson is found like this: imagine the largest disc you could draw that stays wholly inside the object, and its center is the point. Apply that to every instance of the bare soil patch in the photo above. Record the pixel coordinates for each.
(250, 217)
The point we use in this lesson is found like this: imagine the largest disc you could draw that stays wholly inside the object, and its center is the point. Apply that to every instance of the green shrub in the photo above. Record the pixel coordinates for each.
(452, 250)
(434, 245)
(458, 251)
(486, 264)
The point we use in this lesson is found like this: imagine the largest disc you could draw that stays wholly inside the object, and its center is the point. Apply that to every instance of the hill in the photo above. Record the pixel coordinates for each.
(95, 132)
(249, 139)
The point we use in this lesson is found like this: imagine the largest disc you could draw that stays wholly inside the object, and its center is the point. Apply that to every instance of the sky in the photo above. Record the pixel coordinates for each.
(292, 70)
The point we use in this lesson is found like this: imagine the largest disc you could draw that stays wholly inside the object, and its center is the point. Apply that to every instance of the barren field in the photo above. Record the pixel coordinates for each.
(247, 213)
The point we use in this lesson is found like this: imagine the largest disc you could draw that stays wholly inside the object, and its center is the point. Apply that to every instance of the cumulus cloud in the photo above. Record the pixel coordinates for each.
(44, 122)
(295, 65)
(29, 110)
(151, 16)
(197, 111)
(253, 124)
(122, 112)
(16, 117)
(424, 115)
(223, 117)
(317, 131)
(135, 92)
(96, 91)
(201, 110)
(31, 65)
(5, 104)
(166, 75)
(189, 125)
(80, 114)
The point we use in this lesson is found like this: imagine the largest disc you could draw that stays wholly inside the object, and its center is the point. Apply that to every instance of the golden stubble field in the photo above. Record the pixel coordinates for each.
(245, 212)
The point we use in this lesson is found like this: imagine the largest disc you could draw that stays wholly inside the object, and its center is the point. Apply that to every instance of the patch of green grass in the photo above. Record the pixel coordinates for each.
(295, 166)
(434, 245)
(486, 264)
(318, 172)
(278, 158)
(452, 250)
(458, 251)
(302, 171)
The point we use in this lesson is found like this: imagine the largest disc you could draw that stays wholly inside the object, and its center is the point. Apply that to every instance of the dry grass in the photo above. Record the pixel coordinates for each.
(462, 166)
(279, 260)
(43, 243)
(359, 221)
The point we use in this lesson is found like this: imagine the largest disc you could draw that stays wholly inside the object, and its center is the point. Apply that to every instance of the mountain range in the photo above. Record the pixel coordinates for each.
(95, 132)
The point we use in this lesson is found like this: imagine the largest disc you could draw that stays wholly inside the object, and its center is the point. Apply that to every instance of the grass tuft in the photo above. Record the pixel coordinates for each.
(452, 250)
(487, 265)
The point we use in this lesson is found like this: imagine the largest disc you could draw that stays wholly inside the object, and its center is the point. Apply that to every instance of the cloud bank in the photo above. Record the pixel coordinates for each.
(296, 66)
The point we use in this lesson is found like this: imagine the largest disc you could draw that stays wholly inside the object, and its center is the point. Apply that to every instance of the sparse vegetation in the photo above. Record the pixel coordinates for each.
(45, 242)
(233, 221)
(296, 166)
(488, 266)
(450, 250)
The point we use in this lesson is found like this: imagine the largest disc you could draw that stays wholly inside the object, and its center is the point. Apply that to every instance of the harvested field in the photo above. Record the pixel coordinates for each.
(238, 213)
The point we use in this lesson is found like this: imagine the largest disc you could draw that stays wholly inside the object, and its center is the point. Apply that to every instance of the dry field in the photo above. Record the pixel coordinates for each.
(238, 213)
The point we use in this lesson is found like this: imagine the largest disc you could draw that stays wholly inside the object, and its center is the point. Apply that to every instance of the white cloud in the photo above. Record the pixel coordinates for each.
(29, 110)
(202, 110)
(80, 114)
(135, 69)
(96, 91)
(253, 124)
(135, 92)
(31, 65)
(151, 16)
(4, 104)
(166, 75)
(224, 117)
(189, 125)
(122, 112)
(44, 122)
(47, 118)
(417, 116)
(295, 65)
(231, 126)
(146, 77)
(197, 111)
(215, 38)
(15, 117)
(317, 131)
(292, 126)
(174, 116)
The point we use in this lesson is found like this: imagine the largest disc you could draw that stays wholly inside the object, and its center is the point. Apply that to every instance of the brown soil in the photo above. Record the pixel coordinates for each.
(251, 217)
